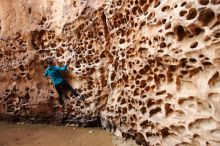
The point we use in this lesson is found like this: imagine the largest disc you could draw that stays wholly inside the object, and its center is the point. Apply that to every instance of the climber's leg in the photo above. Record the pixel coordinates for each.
(66, 86)
(59, 91)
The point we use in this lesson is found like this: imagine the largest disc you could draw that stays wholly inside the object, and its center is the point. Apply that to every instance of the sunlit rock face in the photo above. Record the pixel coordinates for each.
(149, 68)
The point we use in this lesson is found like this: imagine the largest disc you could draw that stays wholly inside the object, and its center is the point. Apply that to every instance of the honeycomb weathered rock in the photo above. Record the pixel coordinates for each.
(150, 68)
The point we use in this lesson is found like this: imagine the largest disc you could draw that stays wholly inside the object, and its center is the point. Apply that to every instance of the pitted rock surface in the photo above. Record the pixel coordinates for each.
(149, 68)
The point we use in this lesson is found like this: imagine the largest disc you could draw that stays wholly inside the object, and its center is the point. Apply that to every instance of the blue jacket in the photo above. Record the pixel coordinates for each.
(54, 73)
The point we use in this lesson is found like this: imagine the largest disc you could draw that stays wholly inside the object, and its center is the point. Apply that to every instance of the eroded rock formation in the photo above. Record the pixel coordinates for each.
(150, 68)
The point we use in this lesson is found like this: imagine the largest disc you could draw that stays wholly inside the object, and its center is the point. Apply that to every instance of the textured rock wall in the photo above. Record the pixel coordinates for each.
(150, 68)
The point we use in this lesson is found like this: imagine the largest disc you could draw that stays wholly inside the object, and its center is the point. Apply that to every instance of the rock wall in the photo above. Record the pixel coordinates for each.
(150, 68)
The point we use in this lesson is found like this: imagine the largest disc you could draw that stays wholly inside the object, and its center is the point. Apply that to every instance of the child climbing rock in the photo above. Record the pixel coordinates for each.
(54, 72)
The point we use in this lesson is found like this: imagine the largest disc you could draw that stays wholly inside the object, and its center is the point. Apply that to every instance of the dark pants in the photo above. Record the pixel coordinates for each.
(64, 86)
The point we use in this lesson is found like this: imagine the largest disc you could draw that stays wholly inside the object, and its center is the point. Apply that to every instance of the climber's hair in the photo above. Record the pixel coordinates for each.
(49, 61)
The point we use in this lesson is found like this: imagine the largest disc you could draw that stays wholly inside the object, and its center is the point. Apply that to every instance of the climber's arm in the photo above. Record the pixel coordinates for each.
(45, 73)
(64, 67)
(61, 68)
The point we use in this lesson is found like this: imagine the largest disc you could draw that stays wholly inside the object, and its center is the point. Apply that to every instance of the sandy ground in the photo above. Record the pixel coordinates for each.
(46, 135)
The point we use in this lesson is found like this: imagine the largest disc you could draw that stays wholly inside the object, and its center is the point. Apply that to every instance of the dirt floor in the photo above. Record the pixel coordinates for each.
(46, 135)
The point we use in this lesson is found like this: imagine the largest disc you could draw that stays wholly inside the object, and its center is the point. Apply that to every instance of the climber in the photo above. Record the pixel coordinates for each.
(53, 71)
